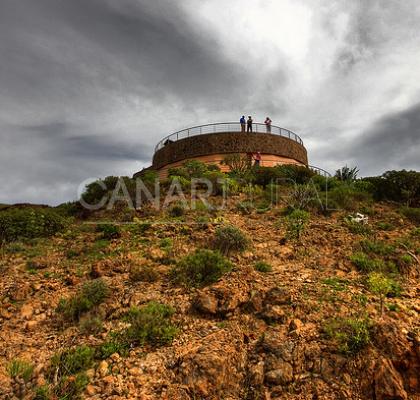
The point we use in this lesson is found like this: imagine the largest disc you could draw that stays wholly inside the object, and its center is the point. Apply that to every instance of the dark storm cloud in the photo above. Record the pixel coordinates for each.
(87, 87)
(126, 45)
(392, 142)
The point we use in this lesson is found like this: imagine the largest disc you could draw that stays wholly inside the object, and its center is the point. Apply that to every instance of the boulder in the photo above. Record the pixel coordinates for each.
(388, 384)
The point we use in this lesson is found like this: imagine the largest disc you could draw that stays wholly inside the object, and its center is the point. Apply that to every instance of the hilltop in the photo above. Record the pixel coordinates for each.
(257, 300)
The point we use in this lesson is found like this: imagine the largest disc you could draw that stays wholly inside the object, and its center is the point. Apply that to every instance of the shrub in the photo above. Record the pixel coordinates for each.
(302, 196)
(295, 223)
(262, 266)
(29, 223)
(295, 174)
(115, 345)
(245, 207)
(90, 324)
(185, 183)
(350, 334)
(358, 228)
(366, 264)
(150, 324)
(20, 369)
(377, 247)
(195, 168)
(400, 186)
(381, 285)
(90, 295)
(347, 174)
(217, 180)
(385, 226)
(200, 268)
(413, 214)
(72, 387)
(176, 210)
(109, 231)
(143, 273)
(230, 238)
(239, 166)
(72, 361)
(347, 197)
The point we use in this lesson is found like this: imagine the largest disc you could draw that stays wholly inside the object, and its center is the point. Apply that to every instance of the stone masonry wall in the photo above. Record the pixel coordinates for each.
(225, 143)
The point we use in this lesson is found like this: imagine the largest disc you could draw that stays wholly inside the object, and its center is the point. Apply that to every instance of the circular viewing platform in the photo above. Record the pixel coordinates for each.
(211, 143)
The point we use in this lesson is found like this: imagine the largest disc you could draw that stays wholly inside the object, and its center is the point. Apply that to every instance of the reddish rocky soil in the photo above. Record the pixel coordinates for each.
(251, 335)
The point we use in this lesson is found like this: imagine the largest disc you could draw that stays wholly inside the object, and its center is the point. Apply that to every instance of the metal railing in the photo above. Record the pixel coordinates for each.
(226, 127)
(320, 171)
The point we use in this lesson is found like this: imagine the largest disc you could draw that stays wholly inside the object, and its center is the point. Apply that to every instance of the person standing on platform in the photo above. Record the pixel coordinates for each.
(242, 122)
(249, 124)
(267, 123)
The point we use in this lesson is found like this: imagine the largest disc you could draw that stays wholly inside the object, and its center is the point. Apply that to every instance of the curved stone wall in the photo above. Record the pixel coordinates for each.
(229, 142)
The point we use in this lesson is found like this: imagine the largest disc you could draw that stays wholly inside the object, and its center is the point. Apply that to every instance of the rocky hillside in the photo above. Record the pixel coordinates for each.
(240, 304)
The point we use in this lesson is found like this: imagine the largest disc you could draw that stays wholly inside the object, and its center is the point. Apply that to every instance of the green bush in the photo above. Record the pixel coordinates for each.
(72, 387)
(245, 207)
(347, 174)
(176, 210)
(200, 268)
(262, 266)
(377, 247)
(381, 285)
(29, 223)
(385, 226)
(358, 228)
(150, 324)
(366, 264)
(413, 214)
(109, 231)
(296, 223)
(90, 295)
(295, 174)
(350, 334)
(72, 361)
(217, 180)
(90, 324)
(20, 369)
(143, 273)
(229, 238)
(400, 186)
(348, 196)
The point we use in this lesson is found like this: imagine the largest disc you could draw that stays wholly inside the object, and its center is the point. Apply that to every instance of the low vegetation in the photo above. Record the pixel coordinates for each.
(200, 268)
(90, 295)
(230, 239)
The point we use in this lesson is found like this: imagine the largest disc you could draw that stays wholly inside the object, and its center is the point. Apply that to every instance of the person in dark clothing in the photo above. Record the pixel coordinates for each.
(267, 123)
(249, 124)
(257, 159)
(242, 122)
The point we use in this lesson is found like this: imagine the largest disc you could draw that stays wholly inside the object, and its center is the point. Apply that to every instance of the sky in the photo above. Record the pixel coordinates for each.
(88, 87)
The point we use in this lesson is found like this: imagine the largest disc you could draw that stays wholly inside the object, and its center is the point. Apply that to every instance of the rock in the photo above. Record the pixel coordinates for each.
(388, 382)
(276, 344)
(90, 390)
(215, 367)
(278, 296)
(295, 324)
(273, 314)
(90, 373)
(108, 380)
(103, 369)
(30, 325)
(222, 297)
(206, 303)
(280, 376)
(135, 371)
(96, 271)
(26, 311)
(115, 357)
(20, 291)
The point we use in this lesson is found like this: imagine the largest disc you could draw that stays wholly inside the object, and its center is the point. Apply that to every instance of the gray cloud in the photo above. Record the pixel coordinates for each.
(87, 87)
